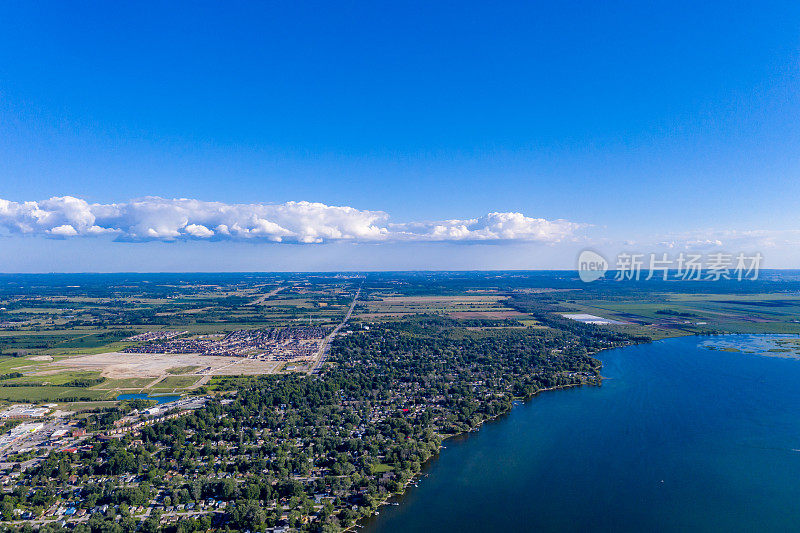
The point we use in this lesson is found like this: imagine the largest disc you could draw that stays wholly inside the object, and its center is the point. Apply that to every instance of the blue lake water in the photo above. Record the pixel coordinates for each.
(678, 438)
(159, 399)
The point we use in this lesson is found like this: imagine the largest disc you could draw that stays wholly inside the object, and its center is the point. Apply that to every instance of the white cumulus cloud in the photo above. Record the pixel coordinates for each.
(154, 218)
(490, 227)
(731, 239)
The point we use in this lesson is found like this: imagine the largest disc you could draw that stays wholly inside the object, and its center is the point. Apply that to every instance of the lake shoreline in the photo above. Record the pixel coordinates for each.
(464, 434)
(675, 423)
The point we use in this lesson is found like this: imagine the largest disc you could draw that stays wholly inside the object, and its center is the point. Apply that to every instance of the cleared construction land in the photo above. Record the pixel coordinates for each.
(116, 365)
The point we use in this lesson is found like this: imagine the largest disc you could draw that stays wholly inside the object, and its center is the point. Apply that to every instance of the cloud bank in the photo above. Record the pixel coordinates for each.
(160, 219)
(731, 239)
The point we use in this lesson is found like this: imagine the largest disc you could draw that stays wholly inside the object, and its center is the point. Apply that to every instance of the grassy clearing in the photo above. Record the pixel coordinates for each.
(162, 392)
(59, 378)
(182, 370)
(21, 364)
(380, 468)
(177, 382)
(124, 383)
(86, 406)
(50, 394)
(92, 340)
(105, 348)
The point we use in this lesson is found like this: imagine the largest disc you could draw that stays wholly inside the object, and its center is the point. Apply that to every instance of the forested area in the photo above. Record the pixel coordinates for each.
(312, 452)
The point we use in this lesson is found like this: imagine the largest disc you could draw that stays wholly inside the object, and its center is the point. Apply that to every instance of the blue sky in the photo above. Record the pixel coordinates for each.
(640, 123)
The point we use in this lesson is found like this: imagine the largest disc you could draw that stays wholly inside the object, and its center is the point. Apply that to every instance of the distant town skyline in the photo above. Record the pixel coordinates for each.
(200, 137)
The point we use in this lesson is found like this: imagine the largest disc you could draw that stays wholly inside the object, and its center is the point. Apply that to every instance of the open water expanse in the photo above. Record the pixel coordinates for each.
(680, 437)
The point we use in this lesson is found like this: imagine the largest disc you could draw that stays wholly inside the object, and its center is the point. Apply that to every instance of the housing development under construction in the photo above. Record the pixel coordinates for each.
(279, 344)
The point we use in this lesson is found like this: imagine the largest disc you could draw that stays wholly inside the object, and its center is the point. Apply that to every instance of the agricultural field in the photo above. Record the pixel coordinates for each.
(492, 306)
(675, 314)
(65, 337)
(73, 338)
(661, 310)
